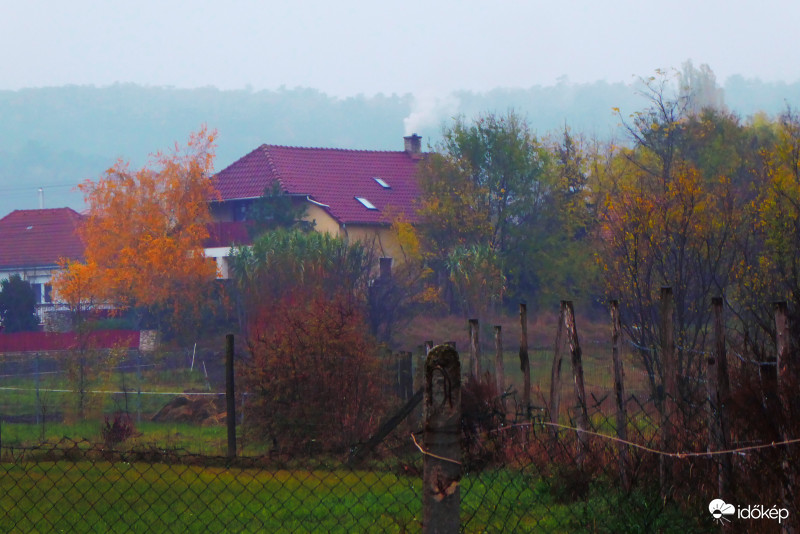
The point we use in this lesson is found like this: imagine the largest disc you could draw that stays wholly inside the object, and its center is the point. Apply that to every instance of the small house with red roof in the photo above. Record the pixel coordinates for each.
(349, 193)
(33, 241)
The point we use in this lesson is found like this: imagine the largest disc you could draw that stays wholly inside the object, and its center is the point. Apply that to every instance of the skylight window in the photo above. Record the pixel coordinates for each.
(382, 182)
(367, 204)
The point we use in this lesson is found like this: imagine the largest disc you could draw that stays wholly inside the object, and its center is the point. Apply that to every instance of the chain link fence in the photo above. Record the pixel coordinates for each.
(521, 470)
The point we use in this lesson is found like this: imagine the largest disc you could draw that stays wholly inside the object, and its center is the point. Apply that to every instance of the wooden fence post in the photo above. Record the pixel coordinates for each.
(785, 375)
(670, 386)
(406, 376)
(555, 372)
(230, 399)
(441, 493)
(474, 349)
(619, 393)
(718, 388)
(524, 361)
(577, 377)
(499, 365)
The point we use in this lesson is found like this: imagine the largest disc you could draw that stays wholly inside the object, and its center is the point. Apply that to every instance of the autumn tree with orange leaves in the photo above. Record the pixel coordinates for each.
(144, 235)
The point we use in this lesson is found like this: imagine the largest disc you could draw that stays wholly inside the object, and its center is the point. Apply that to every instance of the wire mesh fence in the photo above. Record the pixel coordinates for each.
(517, 477)
(147, 453)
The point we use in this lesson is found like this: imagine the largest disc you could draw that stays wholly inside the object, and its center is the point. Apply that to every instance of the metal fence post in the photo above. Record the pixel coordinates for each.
(230, 398)
(38, 398)
(138, 386)
(441, 495)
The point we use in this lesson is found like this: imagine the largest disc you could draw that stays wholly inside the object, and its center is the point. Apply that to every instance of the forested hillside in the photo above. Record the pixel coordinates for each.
(57, 137)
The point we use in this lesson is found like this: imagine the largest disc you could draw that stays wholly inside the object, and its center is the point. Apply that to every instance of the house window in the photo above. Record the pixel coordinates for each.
(37, 292)
(382, 182)
(48, 293)
(367, 204)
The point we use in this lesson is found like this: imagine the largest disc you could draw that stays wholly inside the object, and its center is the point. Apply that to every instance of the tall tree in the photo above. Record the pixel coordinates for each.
(17, 305)
(769, 268)
(486, 194)
(144, 236)
(700, 87)
(665, 223)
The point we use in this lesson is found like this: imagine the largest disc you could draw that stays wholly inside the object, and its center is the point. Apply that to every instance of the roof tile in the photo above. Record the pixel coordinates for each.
(39, 238)
(333, 177)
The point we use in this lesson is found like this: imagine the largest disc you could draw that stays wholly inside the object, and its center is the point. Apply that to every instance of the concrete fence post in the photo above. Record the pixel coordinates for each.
(441, 494)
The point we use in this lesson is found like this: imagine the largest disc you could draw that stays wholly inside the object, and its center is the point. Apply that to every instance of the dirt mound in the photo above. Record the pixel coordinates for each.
(204, 410)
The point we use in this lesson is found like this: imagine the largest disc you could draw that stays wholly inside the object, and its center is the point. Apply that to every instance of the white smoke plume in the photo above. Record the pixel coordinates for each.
(429, 111)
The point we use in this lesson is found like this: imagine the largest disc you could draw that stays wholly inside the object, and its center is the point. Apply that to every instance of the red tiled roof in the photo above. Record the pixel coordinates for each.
(39, 238)
(226, 234)
(332, 177)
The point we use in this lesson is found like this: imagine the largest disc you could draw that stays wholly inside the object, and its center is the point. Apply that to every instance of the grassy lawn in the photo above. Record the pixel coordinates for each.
(101, 496)
(121, 497)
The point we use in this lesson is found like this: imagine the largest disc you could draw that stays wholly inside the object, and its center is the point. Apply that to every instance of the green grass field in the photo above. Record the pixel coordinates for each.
(101, 496)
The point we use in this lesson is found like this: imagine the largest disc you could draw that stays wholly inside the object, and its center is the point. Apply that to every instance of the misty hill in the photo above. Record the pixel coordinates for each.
(57, 137)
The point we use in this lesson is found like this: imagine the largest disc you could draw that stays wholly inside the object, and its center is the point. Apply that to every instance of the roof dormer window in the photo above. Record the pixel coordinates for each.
(382, 182)
(367, 204)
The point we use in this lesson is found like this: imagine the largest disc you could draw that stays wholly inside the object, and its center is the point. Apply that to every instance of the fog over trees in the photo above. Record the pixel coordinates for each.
(57, 137)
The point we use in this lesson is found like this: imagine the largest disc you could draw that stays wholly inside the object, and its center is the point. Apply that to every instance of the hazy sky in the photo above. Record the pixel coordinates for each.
(349, 47)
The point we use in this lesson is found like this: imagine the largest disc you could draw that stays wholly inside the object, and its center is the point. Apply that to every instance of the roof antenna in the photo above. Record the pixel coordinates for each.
(41, 198)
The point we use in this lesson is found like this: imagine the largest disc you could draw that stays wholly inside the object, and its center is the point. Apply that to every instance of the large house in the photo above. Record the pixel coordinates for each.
(31, 244)
(350, 193)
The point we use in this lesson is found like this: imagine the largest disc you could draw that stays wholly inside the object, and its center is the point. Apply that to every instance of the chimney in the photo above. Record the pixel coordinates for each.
(41, 198)
(413, 145)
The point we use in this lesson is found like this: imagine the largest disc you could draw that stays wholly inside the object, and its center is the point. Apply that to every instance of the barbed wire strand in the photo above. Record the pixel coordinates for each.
(432, 455)
(679, 455)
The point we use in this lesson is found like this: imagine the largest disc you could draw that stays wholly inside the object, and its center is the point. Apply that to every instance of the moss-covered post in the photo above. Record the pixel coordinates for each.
(441, 494)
